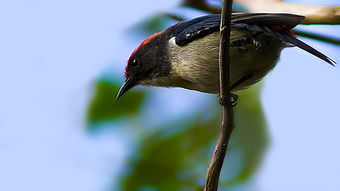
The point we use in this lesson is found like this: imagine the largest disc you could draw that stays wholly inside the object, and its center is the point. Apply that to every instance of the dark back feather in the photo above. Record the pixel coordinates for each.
(271, 24)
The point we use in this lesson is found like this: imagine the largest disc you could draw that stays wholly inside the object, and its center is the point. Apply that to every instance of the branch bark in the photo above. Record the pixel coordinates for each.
(315, 14)
(227, 123)
(201, 5)
(319, 37)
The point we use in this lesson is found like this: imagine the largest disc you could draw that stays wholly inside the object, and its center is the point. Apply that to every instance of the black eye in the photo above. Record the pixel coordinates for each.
(134, 62)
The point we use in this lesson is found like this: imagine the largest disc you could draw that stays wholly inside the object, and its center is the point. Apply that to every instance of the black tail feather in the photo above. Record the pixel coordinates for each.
(288, 37)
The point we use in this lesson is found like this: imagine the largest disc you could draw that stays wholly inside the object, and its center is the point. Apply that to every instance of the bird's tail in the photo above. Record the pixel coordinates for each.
(278, 25)
(288, 37)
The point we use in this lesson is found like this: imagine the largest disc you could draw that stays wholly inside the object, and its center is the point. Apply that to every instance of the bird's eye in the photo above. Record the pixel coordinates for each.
(134, 62)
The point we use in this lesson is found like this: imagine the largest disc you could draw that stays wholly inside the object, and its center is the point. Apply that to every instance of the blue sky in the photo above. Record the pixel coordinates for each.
(52, 51)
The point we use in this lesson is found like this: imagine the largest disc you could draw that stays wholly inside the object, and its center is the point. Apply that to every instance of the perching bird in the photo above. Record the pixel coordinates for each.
(186, 54)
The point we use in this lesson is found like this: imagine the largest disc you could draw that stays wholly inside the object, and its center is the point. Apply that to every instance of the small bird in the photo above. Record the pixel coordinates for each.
(186, 54)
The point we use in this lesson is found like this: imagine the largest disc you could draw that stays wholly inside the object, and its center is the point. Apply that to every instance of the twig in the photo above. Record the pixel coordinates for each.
(319, 37)
(173, 16)
(201, 5)
(227, 123)
(315, 14)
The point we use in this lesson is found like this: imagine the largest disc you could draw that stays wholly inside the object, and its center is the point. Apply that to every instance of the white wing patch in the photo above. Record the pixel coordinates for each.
(172, 41)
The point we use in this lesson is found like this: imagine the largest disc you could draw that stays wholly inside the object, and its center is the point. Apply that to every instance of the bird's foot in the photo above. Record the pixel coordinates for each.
(233, 100)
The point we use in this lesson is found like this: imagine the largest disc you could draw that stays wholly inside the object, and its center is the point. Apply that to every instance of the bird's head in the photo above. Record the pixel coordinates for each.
(147, 63)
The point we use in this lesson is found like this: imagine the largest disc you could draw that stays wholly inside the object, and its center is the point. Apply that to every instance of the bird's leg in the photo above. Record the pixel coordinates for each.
(234, 97)
(240, 81)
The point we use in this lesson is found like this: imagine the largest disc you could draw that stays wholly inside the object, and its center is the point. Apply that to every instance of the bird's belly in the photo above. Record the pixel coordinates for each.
(199, 69)
(256, 69)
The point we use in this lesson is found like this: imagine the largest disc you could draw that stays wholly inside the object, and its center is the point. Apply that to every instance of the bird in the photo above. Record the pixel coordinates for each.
(186, 54)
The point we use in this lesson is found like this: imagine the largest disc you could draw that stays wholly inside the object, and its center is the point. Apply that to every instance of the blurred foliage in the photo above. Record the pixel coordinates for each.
(104, 107)
(167, 159)
(174, 156)
(250, 135)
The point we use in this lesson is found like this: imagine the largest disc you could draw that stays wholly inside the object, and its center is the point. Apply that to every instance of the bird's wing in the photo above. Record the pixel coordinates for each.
(277, 25)
(271, 24)
(196, 28)
(268, 19)
(199, 27)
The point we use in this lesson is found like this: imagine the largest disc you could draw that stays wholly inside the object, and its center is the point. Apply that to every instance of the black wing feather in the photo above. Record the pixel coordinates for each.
(191, 30)
(292, 40)
(199, 27)
(196, 28)
(286, 36)
(268, 19)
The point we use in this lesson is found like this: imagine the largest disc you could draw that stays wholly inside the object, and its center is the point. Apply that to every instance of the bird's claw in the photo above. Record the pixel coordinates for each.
(233, 100)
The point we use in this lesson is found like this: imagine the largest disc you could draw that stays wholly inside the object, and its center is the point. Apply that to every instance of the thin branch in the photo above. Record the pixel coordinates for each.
(201, 5)
(315, 14)
(319, 37)
(227, 123)
(173, 16)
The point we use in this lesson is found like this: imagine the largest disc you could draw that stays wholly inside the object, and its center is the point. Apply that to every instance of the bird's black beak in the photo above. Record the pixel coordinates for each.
(129, 83)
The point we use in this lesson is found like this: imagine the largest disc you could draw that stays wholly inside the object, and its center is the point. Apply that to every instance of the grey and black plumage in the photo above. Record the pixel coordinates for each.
(186, 54)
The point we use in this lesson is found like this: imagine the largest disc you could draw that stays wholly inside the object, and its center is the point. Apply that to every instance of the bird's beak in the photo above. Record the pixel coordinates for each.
(128, 84)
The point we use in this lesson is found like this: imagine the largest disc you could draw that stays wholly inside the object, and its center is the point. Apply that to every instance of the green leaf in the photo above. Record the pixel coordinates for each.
(104, 105)
(152, 25)
(173, 158)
